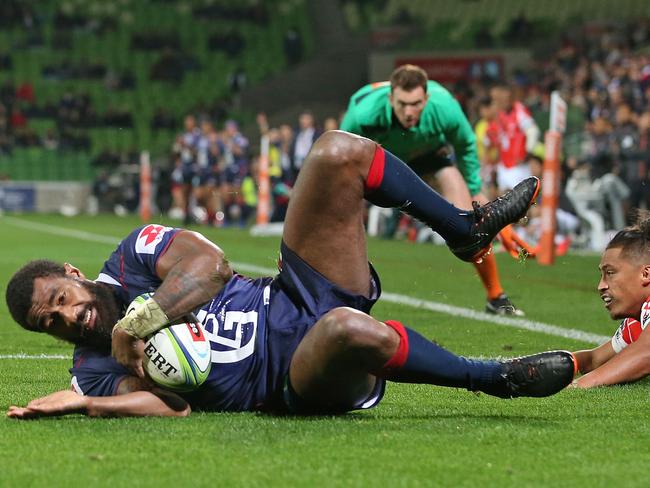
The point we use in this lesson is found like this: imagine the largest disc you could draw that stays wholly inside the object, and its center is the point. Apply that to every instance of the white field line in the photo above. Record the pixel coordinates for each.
(454, 311)
(35, 356)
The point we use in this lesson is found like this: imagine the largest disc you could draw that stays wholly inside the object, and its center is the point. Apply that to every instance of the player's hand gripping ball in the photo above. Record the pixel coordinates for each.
(177, 357)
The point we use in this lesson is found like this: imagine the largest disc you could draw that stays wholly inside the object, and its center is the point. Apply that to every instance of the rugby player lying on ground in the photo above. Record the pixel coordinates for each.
(624, 286)
(301, 342)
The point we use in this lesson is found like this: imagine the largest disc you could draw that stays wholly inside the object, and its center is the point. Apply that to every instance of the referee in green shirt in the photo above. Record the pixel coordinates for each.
(420, 122)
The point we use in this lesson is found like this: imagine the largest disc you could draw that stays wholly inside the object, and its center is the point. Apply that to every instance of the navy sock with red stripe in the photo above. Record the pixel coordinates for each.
(418, 360)
(391, 183)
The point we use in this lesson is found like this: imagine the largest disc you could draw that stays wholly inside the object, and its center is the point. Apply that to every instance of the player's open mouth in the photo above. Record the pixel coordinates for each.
(89, 319)
(607, 299)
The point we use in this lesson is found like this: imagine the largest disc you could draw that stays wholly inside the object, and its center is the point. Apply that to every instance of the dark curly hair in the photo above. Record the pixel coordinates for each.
(635, 239)
(21, 287)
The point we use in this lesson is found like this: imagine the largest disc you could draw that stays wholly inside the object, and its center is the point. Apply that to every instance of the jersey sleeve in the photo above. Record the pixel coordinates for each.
(460, 135)
(627, 333)
(134, 260)
(349, 122)
(96, 373)
(524, 118)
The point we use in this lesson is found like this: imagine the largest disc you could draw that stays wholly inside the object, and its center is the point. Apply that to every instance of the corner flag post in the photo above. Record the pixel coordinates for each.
(551, 179)
(264, 190)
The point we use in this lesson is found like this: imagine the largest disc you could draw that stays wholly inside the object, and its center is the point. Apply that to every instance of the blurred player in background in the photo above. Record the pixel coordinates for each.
(515, 134)
(488, 154)
(624, 286)
(301, 342)
(418, 120)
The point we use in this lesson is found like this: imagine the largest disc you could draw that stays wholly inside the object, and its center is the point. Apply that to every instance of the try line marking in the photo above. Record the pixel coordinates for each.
(405, 300)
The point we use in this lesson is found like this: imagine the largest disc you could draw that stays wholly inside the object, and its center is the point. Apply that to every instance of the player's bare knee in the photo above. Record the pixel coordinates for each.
(341, 149)
(355, 330)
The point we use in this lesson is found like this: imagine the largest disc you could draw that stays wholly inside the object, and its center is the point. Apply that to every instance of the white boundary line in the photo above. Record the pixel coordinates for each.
(438, 307)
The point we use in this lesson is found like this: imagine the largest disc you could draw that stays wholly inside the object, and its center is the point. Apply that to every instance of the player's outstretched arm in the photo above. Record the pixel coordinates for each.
(631, 364)
(141, 403)
(590, 359)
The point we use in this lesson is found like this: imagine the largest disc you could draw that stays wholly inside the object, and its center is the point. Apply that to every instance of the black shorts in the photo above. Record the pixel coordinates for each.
(432, 162)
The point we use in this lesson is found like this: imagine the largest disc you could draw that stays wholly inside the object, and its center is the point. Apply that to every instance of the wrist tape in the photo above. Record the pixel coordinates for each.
(145, 319)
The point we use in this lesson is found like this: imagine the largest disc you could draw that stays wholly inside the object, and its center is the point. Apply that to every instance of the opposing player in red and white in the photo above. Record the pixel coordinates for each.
(624, 286)
(515, 134)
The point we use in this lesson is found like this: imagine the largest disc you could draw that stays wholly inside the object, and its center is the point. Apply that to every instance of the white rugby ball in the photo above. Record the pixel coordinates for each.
(177, 357)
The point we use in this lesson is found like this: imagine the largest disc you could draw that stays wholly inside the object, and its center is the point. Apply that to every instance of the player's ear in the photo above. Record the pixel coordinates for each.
(73, 271)
(645, 274)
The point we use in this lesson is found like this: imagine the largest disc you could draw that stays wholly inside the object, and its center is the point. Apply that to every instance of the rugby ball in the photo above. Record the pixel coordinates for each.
(177, 357)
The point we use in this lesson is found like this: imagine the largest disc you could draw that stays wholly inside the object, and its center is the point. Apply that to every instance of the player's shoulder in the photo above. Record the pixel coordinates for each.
(441, 102)
(145, 239)
(371, 97)
(439, 93)
(644, 316)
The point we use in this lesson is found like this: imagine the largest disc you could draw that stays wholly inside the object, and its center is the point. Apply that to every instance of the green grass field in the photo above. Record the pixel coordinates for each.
(418, 435)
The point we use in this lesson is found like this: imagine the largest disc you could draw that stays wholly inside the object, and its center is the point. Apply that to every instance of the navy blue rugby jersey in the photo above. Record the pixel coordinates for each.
(234, 321)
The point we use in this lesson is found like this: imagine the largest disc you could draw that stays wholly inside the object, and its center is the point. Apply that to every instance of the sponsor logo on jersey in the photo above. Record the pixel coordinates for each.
(149, 237)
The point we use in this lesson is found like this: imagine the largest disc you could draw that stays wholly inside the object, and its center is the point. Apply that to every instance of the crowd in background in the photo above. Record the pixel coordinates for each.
(215, 172)
(604, 74)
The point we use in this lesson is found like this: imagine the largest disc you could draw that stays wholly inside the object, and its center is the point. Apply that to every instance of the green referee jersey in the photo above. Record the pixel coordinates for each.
(442, 122)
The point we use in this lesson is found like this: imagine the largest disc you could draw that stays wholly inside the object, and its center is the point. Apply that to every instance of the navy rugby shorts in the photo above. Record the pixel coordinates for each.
(300, 295)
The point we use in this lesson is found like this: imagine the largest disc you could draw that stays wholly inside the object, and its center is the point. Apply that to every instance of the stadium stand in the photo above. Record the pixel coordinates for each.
(99, 71)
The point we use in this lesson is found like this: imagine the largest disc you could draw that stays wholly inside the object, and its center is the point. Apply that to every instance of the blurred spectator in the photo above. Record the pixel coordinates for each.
(249, 194)
(292, 45)
(330, 123)
(183, 174)
(209, 151)
(488, 155)
(302, 142)
(50, 141)
(235, 168)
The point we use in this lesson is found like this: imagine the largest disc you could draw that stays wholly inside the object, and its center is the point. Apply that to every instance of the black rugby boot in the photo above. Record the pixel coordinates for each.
(490, 218)
(538, 375)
